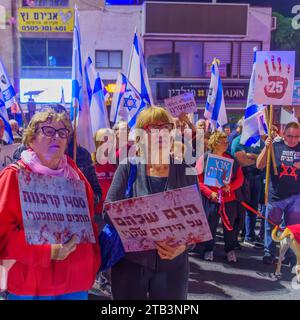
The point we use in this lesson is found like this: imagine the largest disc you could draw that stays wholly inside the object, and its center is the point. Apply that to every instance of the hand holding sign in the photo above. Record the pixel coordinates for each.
(167, 252)
(62, 251)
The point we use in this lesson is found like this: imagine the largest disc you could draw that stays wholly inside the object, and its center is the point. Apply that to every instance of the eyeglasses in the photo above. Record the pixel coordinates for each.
(168, 126)
(223, 142)
(48, 131)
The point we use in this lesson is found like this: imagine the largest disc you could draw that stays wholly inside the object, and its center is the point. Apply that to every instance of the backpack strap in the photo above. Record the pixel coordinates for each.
(131, 180)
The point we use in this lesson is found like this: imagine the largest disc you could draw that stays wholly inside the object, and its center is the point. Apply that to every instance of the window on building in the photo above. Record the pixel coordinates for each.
(45, 3)
(221, 51)
(46, 52)
(190, 57)
(246, 61)
(193, 59)
(160, 59)
(108, 59)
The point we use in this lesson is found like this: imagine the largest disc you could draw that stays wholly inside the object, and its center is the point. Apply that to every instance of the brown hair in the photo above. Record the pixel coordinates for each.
(293, 125)
(48, 116)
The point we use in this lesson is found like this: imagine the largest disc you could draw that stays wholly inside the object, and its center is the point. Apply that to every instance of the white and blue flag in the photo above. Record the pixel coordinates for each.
(137, 72)
(8, 136)
(97, 95)
(8, 91)
(77, 74)
(127, 103)
(79, 97)
(215, 105)
(254, 124)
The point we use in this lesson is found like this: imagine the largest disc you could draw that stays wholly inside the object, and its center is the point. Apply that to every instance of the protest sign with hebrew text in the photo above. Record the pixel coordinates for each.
(183, 103)
(54, 209)
(176, 216)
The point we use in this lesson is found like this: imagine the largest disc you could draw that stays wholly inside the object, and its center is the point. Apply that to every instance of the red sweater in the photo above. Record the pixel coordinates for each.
(234, 184)
(105, 174)
(35, 273)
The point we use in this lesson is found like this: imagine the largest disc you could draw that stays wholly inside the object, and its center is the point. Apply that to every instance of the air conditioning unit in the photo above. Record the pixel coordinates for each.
(274, 23)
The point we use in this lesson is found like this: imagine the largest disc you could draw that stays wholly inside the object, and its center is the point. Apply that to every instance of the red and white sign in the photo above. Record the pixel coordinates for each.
(274, 77)
(183, 103)
(54, 209)
(176, 216)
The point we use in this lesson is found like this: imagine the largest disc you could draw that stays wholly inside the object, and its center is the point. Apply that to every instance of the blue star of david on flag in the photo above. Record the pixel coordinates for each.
(130, 103)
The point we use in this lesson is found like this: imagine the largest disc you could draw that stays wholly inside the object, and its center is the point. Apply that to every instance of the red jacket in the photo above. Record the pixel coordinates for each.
(235, 183)
(105, 174)
(35, 273)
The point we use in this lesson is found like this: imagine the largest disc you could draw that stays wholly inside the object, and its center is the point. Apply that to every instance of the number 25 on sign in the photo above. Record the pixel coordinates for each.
(274, 77)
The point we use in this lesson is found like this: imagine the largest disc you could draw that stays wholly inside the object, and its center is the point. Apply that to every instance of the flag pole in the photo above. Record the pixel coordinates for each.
(131, 54)
(272, 149)
(268, 168)
(75, 134)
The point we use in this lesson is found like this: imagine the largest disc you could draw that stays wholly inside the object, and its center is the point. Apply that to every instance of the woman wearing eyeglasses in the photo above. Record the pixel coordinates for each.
(162, 273)
(44, 272)
(221, 202)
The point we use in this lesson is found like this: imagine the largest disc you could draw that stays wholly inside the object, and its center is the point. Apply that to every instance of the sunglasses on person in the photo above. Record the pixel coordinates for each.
(168, 126)
(48, 131)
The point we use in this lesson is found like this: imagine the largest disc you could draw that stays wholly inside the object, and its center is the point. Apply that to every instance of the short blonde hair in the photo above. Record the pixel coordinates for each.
(49, 116)
(152, 115)
(215, 138)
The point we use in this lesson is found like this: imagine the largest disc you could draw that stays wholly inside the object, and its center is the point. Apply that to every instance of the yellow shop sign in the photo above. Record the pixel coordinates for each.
(46, 19)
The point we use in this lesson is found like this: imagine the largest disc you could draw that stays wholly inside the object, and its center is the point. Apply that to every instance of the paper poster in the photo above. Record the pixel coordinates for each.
(6, 154)
(218, 171)
(274, 77)
(54, 209)
(183, 103)
(176, 216)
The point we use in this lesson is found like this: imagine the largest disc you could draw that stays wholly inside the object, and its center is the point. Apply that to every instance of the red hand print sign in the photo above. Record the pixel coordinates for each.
(274, 80)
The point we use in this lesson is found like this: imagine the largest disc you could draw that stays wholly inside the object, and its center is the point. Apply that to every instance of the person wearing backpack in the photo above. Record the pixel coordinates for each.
(162, 273)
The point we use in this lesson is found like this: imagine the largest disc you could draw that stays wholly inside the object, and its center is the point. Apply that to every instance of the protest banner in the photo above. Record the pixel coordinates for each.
(274, 78)
(176, 216)
(183, 103)
(54, 209)
(218, 171)
(6, 154)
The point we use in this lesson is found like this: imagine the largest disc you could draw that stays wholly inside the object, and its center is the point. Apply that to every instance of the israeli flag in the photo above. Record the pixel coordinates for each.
(79, 96)
(77, 76)
(215, 105)
(8, 136)
(137, 72)
(97, 95)
(127, 103)
(254, 121)
(8, 91)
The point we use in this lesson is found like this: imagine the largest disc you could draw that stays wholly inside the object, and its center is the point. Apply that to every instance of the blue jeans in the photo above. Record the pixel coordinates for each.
(255, 190)
(83, 295)
(286, 211)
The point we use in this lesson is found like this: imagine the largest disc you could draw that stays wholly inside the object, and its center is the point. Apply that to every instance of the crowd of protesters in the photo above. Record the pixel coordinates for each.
(69, 270)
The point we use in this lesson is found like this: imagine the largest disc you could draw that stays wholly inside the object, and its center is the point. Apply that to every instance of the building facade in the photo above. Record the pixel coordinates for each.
(180, 42)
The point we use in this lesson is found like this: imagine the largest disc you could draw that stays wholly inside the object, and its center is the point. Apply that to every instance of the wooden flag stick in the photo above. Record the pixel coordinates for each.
(268, 168)
(272, 149)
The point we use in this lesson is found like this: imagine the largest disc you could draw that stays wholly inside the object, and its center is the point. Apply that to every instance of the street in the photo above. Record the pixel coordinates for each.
(248, 279)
